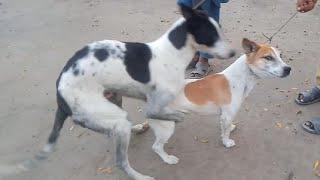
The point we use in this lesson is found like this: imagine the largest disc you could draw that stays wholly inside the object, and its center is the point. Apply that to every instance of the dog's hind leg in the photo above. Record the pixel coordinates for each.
(122, 138)
(100, 115)
(163, 130)
(116, 99)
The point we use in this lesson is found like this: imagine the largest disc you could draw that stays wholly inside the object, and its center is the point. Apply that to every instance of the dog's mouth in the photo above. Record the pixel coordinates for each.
(283, 75)
(280, 75)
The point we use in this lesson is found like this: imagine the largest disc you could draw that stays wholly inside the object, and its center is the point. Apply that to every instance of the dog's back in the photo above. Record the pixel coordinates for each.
(204, 96)
(106, 64)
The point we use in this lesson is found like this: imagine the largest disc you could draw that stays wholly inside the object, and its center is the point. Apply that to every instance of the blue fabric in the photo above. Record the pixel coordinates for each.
(212, 7)
(205, 55)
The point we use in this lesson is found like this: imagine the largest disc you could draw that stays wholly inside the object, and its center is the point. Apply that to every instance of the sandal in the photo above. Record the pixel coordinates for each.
(198, 74)
(312, 126)
(308, 97)
(200, 71)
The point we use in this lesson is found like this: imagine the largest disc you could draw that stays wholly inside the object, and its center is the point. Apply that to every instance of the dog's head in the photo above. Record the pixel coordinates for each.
(265, 60)
(206, 33)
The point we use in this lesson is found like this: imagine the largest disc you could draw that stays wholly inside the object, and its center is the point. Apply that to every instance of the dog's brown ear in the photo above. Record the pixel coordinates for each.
(187, 12)
(249, 46)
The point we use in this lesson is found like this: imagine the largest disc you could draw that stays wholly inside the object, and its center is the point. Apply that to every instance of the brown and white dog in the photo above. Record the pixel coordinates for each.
(222, 93)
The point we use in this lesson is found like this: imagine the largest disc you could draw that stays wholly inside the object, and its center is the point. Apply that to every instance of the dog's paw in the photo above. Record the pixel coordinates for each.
(140, 128)
(228, 143)
(170, 159)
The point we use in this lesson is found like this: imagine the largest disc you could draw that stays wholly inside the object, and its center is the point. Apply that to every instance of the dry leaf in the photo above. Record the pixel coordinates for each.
(278, 125)
(141, 128)
(316, 165)
(299, 112)
(204, 140)
(105, 170)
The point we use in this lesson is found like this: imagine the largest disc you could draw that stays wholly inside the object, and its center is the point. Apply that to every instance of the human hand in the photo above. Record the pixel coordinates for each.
(305, 5)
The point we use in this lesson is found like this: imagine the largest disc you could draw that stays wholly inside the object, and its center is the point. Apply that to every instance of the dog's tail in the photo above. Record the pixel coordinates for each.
(7, 170)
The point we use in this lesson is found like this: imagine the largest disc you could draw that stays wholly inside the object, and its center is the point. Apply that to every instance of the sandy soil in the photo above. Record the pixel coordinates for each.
(38, 36)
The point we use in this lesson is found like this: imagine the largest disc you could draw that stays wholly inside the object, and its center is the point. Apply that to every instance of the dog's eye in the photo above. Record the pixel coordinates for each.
(281, 55)
(269, 58)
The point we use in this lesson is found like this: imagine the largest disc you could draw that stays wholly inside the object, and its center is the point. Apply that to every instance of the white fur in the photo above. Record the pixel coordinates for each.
(241, 81)
(84, 92)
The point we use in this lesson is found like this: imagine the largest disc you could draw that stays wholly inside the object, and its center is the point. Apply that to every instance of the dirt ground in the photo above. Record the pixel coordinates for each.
(38, 36)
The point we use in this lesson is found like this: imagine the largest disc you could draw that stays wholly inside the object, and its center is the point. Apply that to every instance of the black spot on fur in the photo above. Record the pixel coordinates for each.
(76, 72)
(202, 30)
(198, 25)
(136, 59)
(73, 60)
(101, 54)
(178, 36)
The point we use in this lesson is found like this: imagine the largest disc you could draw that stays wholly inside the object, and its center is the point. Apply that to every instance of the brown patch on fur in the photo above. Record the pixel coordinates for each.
(262, 51)
(213, 88)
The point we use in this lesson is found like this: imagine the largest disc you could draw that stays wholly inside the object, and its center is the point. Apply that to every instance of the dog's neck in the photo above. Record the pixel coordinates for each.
(164, 46)
(241, 75)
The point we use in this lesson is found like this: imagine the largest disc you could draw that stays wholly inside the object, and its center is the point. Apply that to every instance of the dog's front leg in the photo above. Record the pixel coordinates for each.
(157, 102)
(227, 127)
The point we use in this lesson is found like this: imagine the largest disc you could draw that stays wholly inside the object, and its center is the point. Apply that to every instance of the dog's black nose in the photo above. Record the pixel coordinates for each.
(232, 53)
(286, 71)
